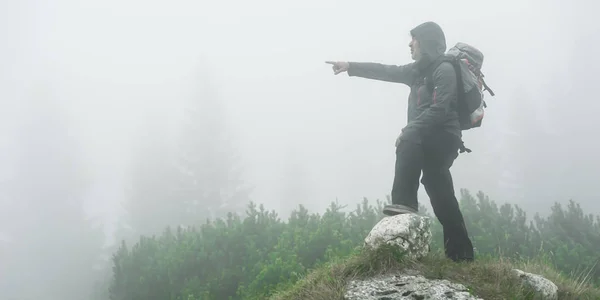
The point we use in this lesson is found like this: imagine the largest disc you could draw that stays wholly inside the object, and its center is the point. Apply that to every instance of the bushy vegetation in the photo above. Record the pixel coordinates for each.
(567, 237)
(253, 256)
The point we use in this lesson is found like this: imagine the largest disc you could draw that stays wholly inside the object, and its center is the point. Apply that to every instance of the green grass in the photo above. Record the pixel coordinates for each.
(487, 278)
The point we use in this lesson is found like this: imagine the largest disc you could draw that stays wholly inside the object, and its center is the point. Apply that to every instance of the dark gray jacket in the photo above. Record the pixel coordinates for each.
(427, 111)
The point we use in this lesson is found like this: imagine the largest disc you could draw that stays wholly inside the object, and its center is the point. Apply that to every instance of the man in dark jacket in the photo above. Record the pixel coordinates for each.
(430, 141)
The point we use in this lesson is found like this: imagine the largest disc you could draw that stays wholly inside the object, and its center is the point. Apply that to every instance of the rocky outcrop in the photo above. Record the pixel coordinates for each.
(410, 232)
(406, 287)
(544, 288)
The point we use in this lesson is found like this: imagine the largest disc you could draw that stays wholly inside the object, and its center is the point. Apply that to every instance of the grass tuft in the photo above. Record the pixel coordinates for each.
(488, 278)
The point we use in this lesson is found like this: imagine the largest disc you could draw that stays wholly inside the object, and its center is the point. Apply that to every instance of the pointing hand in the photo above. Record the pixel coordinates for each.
(339, 66)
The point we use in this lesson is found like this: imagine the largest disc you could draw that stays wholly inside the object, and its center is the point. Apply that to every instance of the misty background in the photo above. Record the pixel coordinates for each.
(108, 101)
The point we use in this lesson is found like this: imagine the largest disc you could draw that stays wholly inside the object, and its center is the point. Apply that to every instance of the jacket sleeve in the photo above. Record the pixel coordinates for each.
(444, 94)
(391, 73)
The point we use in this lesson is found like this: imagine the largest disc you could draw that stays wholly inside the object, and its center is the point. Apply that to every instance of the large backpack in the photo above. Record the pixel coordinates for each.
(467, 61)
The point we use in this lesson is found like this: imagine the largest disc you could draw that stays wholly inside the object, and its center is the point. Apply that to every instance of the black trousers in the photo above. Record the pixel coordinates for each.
(433, 157)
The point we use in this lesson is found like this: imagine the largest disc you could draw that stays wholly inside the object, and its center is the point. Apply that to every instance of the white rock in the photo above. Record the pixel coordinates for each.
(400, 287)
(410, 232)
(544, 288)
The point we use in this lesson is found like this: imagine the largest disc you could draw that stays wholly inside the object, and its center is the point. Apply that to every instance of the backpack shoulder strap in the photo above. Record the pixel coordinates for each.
(457, 70)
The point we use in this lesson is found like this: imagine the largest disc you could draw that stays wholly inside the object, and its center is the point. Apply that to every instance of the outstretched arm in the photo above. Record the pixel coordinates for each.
(391, 73)
(444, 93)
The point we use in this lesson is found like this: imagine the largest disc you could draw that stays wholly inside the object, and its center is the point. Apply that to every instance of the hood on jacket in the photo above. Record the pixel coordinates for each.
(432, 42)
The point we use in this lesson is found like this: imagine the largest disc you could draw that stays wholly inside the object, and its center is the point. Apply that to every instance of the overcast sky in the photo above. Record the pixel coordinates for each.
(110, 63)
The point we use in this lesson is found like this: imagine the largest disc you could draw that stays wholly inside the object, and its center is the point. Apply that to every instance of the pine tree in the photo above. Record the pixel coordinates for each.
(185, 181)
(52, 239)
(151, 205)
(209, 178)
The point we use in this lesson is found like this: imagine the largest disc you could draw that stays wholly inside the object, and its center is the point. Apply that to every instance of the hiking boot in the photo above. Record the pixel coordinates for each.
(398, 209)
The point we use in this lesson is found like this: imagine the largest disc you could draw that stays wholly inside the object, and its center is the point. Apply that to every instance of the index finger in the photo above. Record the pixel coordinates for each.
(330, 62)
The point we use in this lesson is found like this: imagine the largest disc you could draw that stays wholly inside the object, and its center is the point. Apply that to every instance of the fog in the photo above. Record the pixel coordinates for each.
(94, 92)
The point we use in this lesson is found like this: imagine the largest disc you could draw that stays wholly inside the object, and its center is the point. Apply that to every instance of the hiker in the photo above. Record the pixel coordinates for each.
(432, 138)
